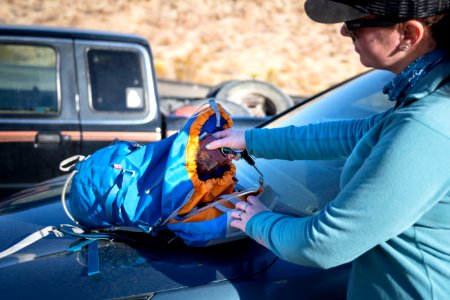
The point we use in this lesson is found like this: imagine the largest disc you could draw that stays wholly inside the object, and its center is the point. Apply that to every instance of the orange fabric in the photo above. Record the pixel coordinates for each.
(205, 191)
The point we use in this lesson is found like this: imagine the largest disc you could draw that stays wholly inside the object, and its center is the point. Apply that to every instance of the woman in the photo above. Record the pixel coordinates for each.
(392, 215)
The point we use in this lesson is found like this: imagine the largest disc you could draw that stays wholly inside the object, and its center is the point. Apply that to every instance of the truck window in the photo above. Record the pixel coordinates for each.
(116, 80)
(28, 79)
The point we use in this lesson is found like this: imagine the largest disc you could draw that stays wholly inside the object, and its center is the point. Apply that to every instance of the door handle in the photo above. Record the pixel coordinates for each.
(48, 138)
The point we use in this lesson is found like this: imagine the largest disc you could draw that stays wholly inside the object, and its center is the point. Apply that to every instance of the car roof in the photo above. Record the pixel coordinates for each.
(72, 33)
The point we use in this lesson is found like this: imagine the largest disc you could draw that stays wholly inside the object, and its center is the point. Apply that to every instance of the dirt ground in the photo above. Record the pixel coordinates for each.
(209, 41)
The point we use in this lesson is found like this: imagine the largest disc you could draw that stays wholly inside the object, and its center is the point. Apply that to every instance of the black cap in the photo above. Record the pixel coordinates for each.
(336, 11)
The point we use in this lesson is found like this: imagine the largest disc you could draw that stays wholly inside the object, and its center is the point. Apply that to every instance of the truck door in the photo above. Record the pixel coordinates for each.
(39, 124)
(117, 94)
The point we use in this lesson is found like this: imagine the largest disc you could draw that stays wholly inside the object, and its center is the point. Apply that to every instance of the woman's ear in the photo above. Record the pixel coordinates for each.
(413, 33)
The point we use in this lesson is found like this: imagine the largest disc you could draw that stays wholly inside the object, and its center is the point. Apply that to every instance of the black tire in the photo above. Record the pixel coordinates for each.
(261, 98)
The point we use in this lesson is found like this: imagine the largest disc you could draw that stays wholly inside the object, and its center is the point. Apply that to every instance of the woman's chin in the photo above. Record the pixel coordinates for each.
(364, 63)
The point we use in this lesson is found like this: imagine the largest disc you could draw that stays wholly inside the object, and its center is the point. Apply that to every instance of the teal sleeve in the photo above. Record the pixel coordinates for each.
(405, 175)
(327, 140)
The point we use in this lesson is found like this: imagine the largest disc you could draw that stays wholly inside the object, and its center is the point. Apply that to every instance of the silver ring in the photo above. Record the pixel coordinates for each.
(240, 214)
(245, 206)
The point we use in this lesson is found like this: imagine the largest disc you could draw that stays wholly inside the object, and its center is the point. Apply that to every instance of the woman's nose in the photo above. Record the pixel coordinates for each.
(345, 32)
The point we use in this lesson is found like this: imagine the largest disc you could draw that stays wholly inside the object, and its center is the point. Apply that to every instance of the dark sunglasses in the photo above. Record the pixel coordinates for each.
(226, 151)
(238, 154)
(354, 25)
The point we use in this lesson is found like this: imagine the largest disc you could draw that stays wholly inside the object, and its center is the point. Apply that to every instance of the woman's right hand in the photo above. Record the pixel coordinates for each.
(232, 138)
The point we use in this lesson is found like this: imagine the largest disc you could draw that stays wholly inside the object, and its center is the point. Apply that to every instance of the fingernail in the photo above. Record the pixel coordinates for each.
(207, 146)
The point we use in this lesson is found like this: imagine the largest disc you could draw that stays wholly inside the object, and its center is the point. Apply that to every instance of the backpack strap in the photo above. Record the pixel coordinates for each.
(117, 193)
(69, 163)
(216, 109)
(88, 239)
(63, 196)
(93, 257)
(31, 239)
(233, 198)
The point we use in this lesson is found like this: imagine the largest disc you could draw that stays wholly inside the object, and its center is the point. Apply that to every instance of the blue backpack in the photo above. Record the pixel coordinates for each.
(127, 187)
(158, 186)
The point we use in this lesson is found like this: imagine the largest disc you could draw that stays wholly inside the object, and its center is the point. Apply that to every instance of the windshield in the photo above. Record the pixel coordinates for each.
(303, 187)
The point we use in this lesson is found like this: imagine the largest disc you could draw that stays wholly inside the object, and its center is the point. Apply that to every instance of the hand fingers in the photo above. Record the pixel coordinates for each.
(242, 206)
(221, 134)
(228, 138)
(240, 215)
(255, 205)
(237, 214)
(253, 200)
(245, 210)
(238, 224)
(221, 139)
(216, 144)
(237, 221)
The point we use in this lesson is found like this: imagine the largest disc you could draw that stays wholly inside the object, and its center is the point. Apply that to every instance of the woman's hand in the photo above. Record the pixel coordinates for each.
(245, 211)
(232, 138)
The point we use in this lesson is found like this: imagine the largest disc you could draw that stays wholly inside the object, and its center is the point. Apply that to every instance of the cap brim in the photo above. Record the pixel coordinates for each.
(329, 12)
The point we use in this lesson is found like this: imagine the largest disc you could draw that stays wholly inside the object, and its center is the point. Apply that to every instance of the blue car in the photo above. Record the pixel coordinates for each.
(138, 266)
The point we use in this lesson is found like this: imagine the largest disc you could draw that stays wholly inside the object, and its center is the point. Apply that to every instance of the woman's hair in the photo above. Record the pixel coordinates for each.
(439, 31)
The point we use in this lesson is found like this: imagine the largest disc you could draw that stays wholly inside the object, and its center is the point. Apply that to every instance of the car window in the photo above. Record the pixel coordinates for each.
(110, 92)
(28, 79)
(303, 187)
(357, 98)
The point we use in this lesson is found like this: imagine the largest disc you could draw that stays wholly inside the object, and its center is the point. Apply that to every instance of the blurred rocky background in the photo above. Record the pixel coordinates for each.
(210, 41)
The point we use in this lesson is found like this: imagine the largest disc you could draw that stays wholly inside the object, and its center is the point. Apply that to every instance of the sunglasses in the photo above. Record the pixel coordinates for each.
(238, 154)
(353, 26)
(226, 151)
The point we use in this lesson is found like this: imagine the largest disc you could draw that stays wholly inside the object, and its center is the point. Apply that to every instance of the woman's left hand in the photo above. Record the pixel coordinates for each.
(245, 210)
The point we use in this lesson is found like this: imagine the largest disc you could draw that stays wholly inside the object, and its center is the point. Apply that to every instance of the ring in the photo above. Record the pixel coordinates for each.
(240, 214)
(245, 206)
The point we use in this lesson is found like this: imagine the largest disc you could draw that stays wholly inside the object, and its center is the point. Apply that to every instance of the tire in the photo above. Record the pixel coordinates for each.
(261, 98)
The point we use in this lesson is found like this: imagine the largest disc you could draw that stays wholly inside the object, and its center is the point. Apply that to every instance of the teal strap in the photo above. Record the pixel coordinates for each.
(93, 260)
(112, 195)
(116, 193)
(79, 246)
(93, 257)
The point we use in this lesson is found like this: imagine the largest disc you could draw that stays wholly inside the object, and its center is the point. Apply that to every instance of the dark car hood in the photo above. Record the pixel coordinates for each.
(46, 269)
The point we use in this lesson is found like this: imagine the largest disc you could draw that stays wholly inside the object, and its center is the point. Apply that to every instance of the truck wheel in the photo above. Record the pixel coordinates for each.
(261, 98)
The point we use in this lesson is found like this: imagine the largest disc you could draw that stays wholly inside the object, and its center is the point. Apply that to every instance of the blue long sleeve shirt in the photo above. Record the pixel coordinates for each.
(392, 215)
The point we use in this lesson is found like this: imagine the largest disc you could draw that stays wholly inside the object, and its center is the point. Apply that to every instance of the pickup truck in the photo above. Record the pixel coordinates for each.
(67, 91)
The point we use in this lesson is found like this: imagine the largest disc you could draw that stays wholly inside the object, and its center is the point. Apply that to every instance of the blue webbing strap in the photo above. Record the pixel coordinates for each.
(79, 246)
(91, 241)
(112, 195)
(114, 192)
(93, 258)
